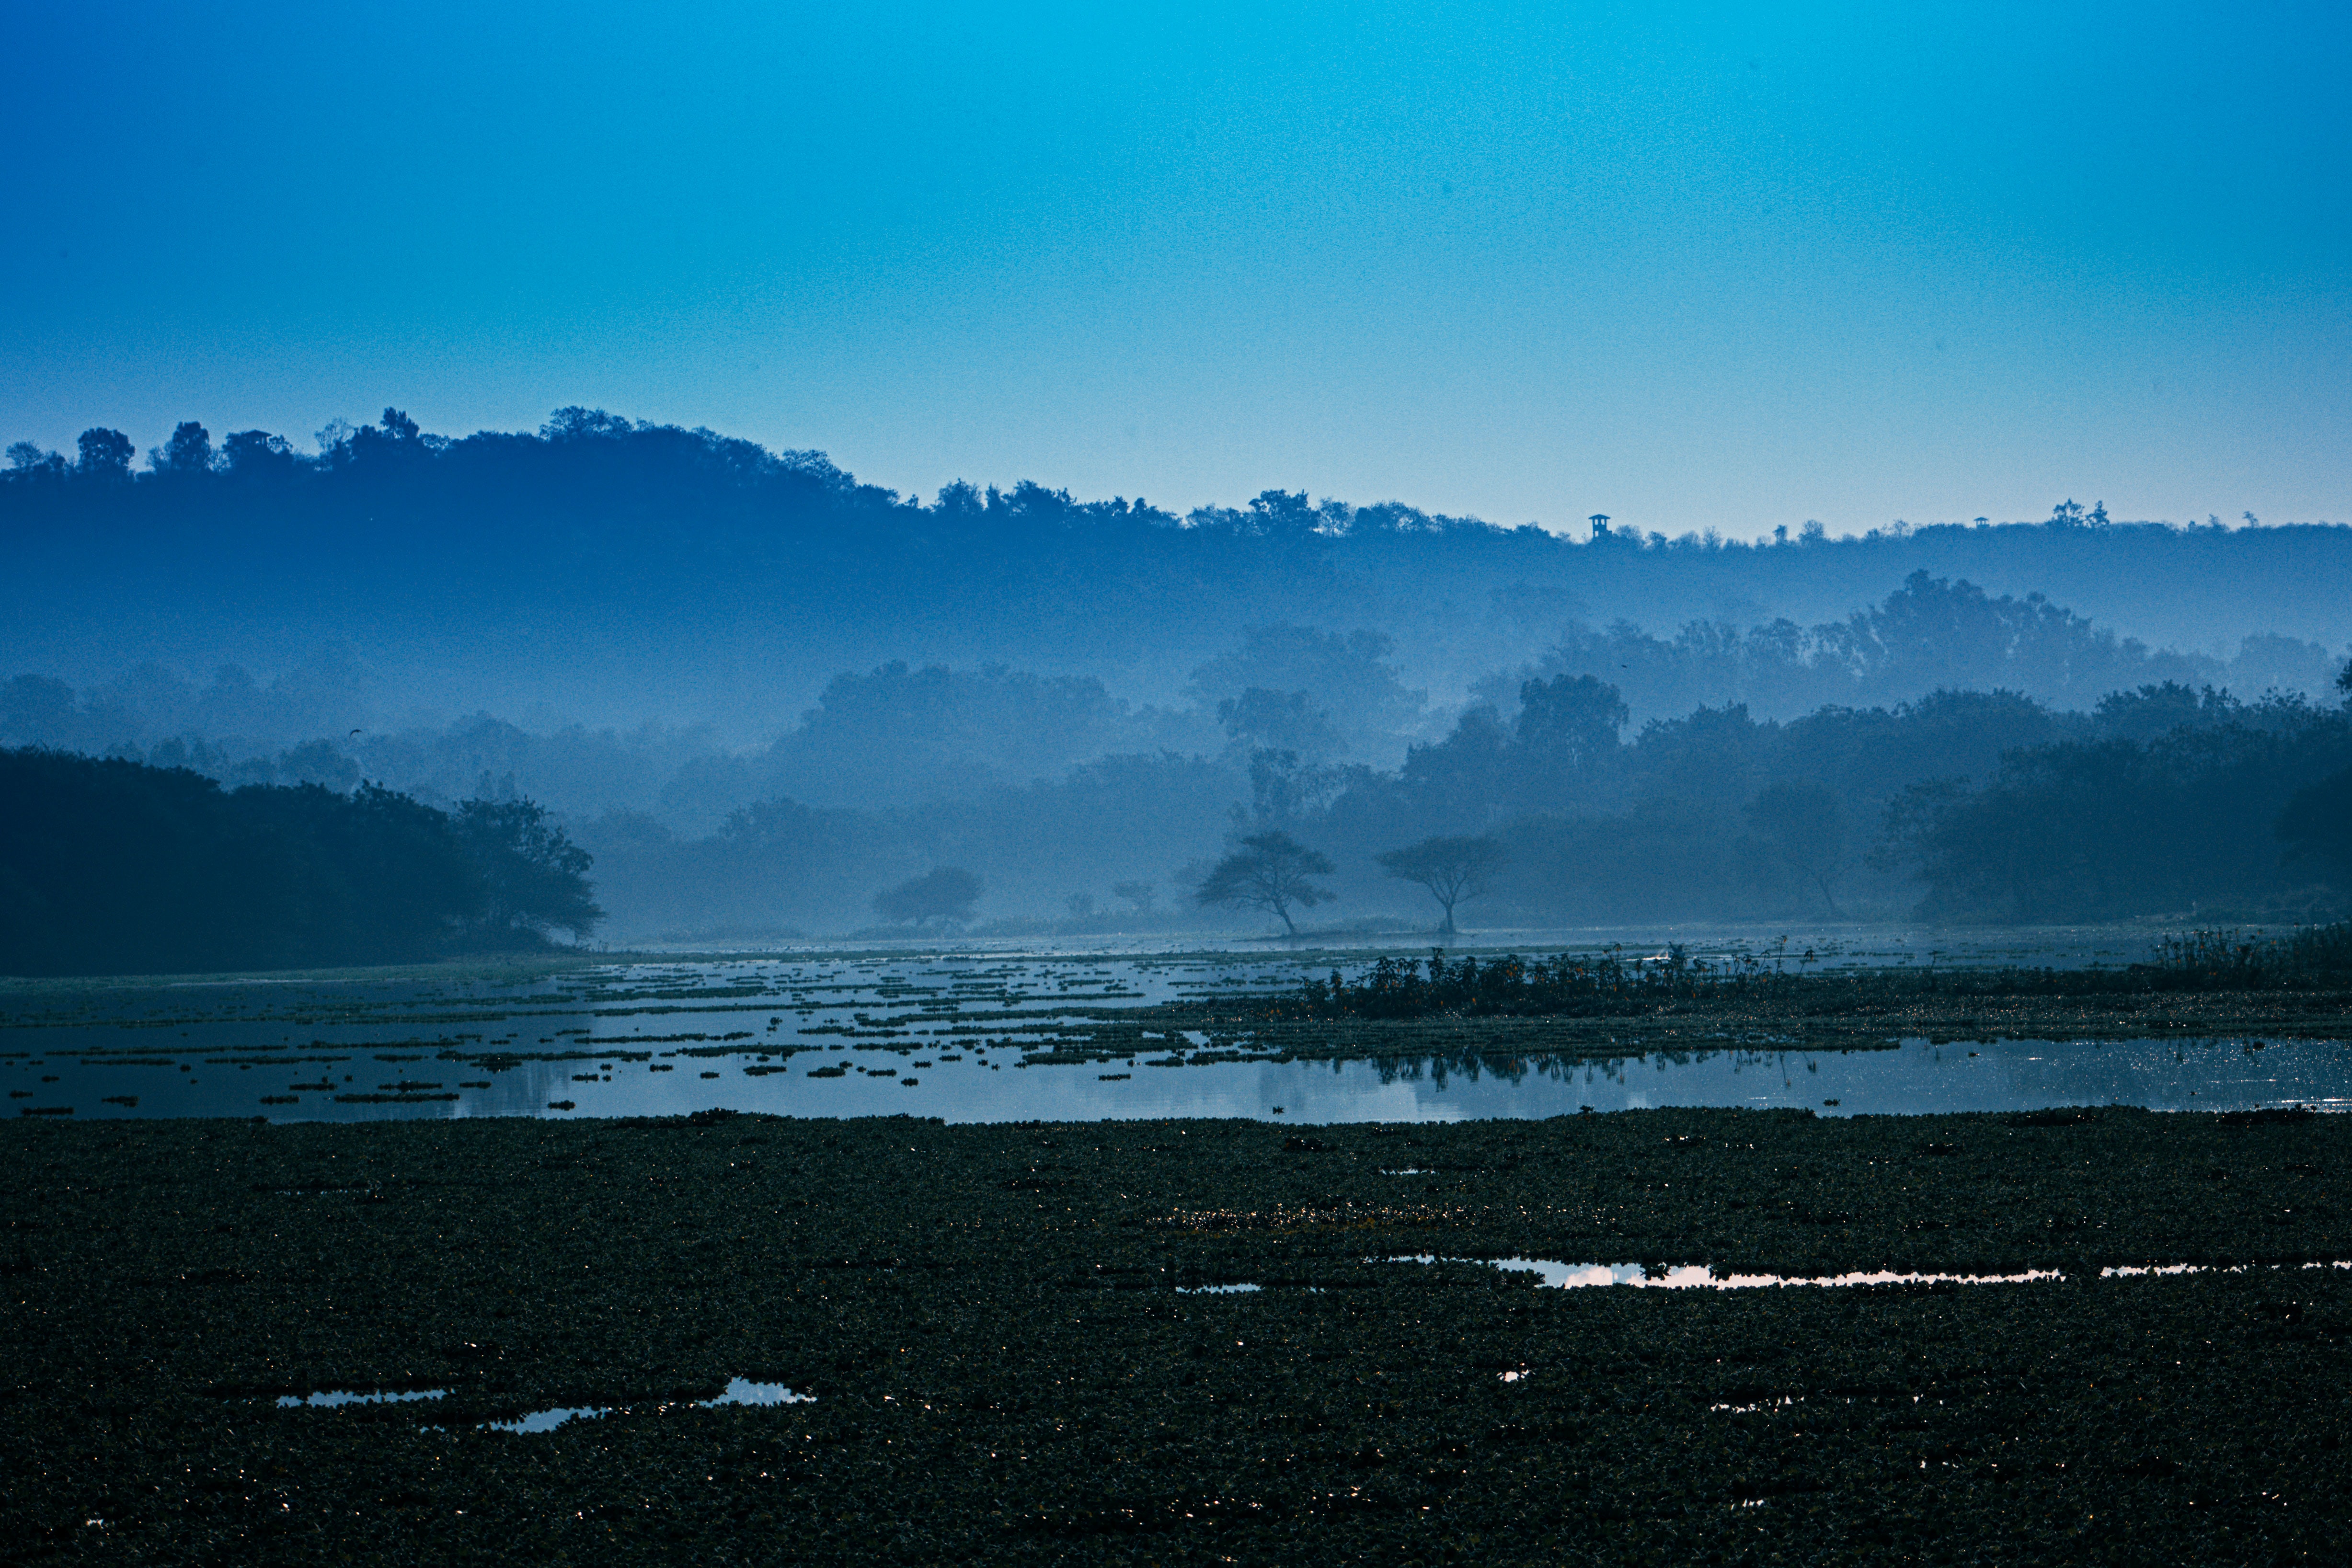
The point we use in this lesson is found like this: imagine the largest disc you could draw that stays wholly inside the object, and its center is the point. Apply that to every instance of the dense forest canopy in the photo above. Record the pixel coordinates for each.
(1962, 806)
(618, 571)
(110, 867)
(1080, 711)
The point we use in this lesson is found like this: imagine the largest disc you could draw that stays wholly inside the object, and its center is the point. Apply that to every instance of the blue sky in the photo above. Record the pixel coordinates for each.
(1693, 265)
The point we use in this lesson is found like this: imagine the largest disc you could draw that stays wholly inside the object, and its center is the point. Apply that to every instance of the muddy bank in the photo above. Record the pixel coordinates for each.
(995, 1348)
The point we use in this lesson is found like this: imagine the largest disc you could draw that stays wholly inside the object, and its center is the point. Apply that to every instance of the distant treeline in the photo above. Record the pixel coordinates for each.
(1968, 745)
(609, 566)
(901, 736)
(112, 867)
(1964, 806)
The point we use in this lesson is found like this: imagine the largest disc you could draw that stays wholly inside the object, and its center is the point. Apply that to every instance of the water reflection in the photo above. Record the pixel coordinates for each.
(2010, 1075)
(545, 1420)
(932, 1034)
(739, 1391)
(1698, 1276)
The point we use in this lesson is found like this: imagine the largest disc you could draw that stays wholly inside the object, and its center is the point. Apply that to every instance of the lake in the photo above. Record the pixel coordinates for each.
(945, 1034)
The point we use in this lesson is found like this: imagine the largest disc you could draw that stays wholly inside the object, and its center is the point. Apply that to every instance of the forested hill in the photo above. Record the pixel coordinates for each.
(616, 569)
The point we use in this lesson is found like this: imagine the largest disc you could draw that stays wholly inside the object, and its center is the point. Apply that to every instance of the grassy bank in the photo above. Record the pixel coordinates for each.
(1006, 1367)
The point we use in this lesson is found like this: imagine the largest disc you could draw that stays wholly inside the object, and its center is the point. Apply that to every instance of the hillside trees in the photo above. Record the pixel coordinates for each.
(533, 877)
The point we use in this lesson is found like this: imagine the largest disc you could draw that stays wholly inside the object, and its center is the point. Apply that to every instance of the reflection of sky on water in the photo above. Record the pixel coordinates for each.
(219, 1049)
(2009, 1076)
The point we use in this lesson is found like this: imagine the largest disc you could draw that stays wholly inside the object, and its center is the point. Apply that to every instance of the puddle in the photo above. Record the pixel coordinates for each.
(1697, 1276)
(346, 1396)
(739, 1391)
(545, 1420)
(2128, 1271)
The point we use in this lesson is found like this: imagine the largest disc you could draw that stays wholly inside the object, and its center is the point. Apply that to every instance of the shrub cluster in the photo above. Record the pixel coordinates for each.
(108, 866)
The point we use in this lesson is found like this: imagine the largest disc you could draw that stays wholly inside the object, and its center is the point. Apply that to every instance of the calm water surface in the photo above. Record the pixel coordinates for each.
(932, 1034)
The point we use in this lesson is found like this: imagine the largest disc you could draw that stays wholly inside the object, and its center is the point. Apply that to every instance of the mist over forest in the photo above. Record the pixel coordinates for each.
(762, 695)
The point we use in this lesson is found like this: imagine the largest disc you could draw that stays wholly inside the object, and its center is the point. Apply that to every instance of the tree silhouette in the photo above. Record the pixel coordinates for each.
(1268, 872)
(1453, 867)
(943, 895)
(105, 454)
(534, 877)
(26, 458)
(113, 867)
(189, 451)
(1571, 722)
(249, 453)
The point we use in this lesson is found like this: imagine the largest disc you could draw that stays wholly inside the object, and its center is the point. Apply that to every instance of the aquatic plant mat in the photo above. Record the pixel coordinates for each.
(988, 1343)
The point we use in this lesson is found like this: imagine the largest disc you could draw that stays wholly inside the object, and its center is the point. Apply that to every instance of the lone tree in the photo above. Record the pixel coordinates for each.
(944, 895)
(1453, 868)
(1268, 872)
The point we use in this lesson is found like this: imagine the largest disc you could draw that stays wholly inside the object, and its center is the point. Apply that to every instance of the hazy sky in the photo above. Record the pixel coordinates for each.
(1689, 265)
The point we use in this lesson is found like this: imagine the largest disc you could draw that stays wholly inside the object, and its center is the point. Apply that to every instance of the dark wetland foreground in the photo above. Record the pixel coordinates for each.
(1000, 1350)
